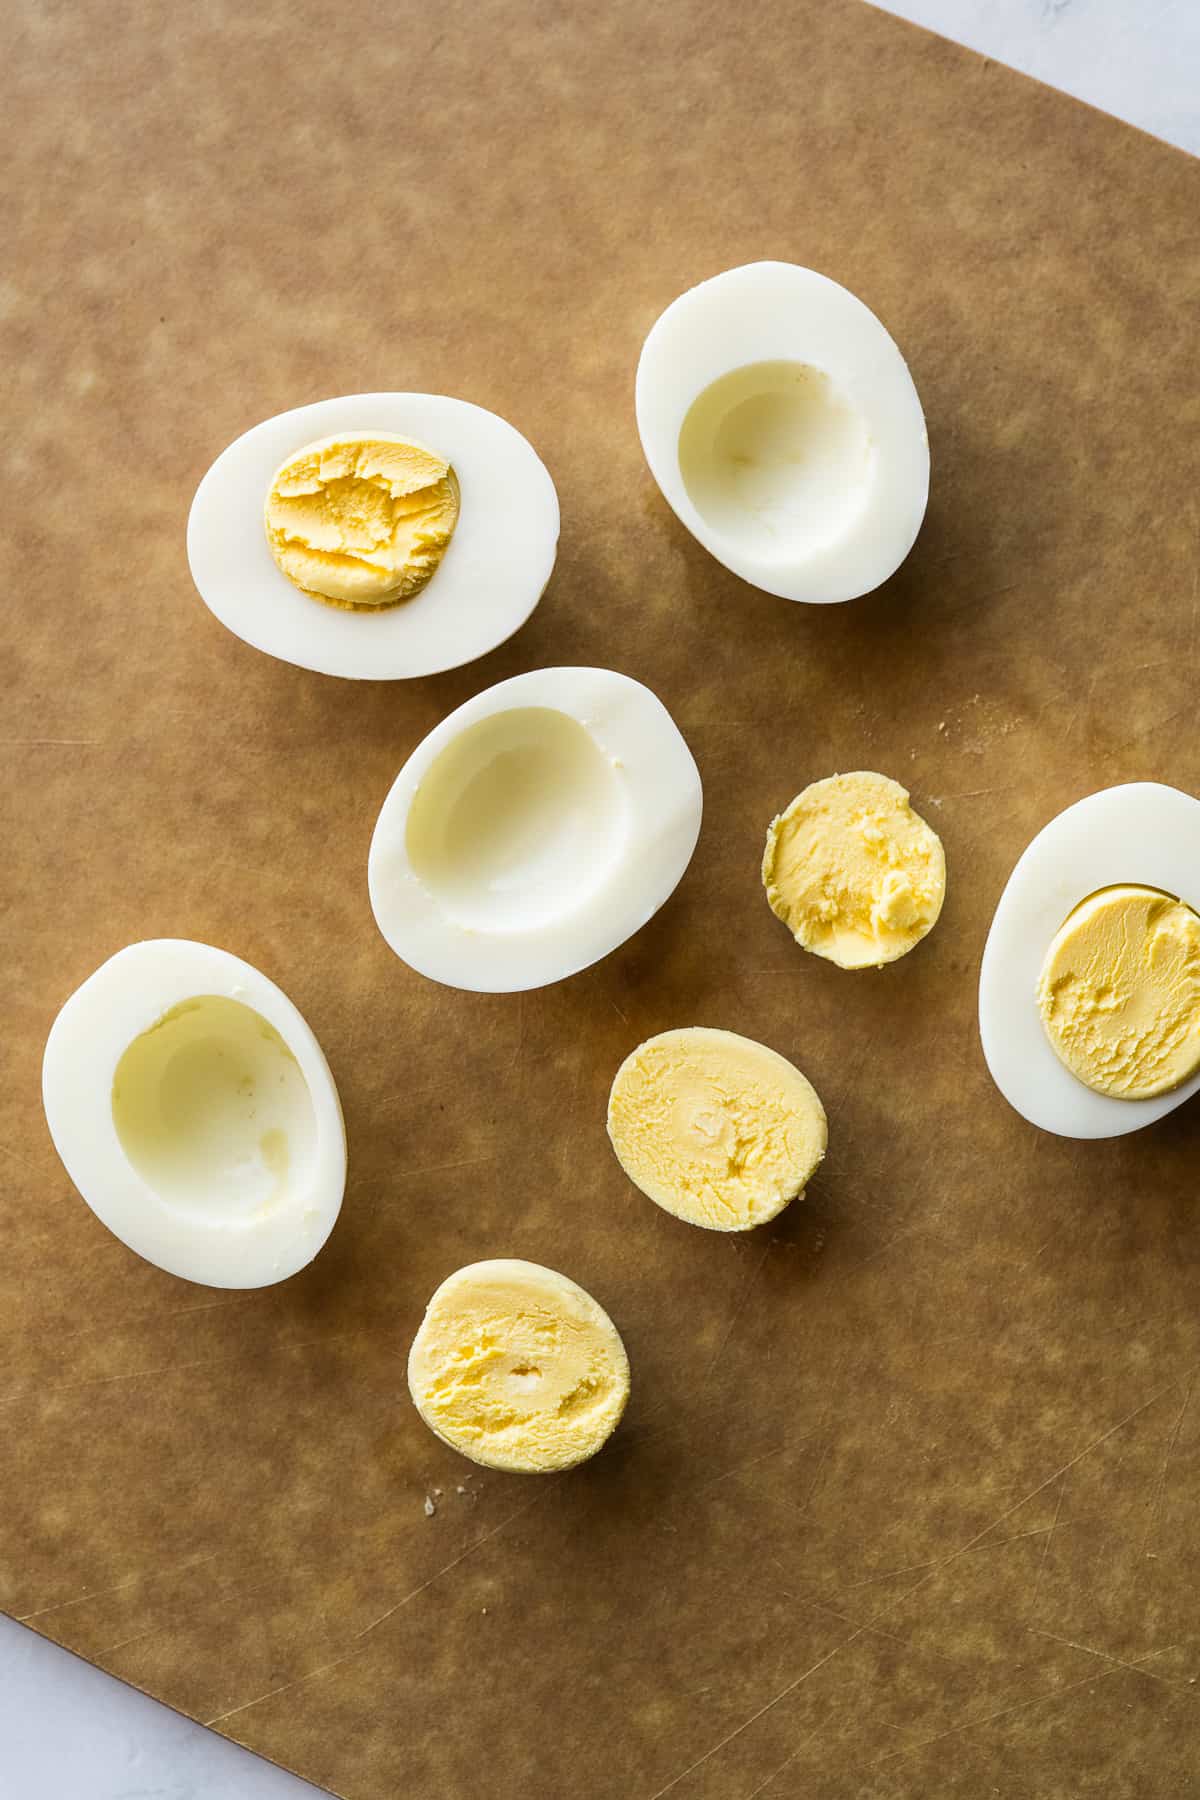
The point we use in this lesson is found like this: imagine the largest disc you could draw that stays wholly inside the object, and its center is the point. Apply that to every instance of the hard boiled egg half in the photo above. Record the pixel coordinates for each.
(782, 425)
(194, 1111)
(502, 529)
(534, 830)
(1143, 835)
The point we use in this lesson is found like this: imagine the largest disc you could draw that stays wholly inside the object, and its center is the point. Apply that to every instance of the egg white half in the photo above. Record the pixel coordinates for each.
(810, 485)
(534, 830)
(491, 577)
(1143, 833)
(194, 1111)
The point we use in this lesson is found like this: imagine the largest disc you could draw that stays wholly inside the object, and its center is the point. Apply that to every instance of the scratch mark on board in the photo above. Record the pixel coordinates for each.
(773, 1702)
(1135, 1668)
(750, 1463)
(154, 1318)
(204, 1362)
(1058, 1473)
(785, 1764)
(442, 1168)
(1003, 1712)
(1160, 1483)
(739, 1309)
(167, 1624)
(1041, 1570)
(1055, 1475)
(357, 1646)
(118, 1587)
(936, 1562)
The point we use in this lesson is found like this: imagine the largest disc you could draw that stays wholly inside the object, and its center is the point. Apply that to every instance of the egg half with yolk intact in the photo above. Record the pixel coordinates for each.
(375, 536)
(1066, 1041)
(194, 1111)
(534, 830)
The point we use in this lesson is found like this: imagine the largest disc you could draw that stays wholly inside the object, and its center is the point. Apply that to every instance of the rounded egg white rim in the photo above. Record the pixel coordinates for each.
(831, 330)
(662, 790)
(124, 998)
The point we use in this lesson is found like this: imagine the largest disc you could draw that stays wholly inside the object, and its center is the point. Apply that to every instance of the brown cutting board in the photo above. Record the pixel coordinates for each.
(905, 1501)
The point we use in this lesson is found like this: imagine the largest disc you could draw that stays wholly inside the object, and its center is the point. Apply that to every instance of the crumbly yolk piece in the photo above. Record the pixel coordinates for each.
(518, 1368)
(1119, 992)
(715, 1128)
(854, 873)
(361, 522)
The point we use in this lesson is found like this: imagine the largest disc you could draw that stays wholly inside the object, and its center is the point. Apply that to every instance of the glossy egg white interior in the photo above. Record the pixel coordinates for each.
(1142, 833)
(534, 830)
(781, 423)
(491, 577)
(194, 1111)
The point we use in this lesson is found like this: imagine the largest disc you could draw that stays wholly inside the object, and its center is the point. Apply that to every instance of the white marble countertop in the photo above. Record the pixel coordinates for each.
(1138, 59)
(69, 1732)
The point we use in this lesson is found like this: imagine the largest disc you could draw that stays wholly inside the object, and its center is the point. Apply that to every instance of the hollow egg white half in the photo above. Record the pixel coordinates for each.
(489, 580)
(534, 830)
(1141, 833)
(194, 1111)
(781, 423)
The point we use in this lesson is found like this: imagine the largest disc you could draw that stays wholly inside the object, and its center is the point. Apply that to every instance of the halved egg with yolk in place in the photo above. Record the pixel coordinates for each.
(1134, 847)
(376, 536)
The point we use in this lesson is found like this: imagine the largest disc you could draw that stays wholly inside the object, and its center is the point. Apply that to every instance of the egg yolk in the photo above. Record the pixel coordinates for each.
(1119, 992)
(362, 522)
(854, 873)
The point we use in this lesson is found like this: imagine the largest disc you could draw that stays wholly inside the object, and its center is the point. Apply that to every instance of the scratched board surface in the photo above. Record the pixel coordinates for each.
(905, 1499)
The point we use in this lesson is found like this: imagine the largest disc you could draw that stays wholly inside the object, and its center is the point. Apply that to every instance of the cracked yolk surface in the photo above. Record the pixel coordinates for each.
(715, 1128)
(361, 522)
(518, 1367)
(854, 873)
(1119, 992)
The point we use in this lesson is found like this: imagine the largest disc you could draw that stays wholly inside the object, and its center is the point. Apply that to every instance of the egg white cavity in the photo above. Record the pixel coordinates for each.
(781, 423)
(194, 1111)
(775, 449)
(212, 1111)
(1142, 833)
(519, 818)
(489, 580)
(534, 830)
